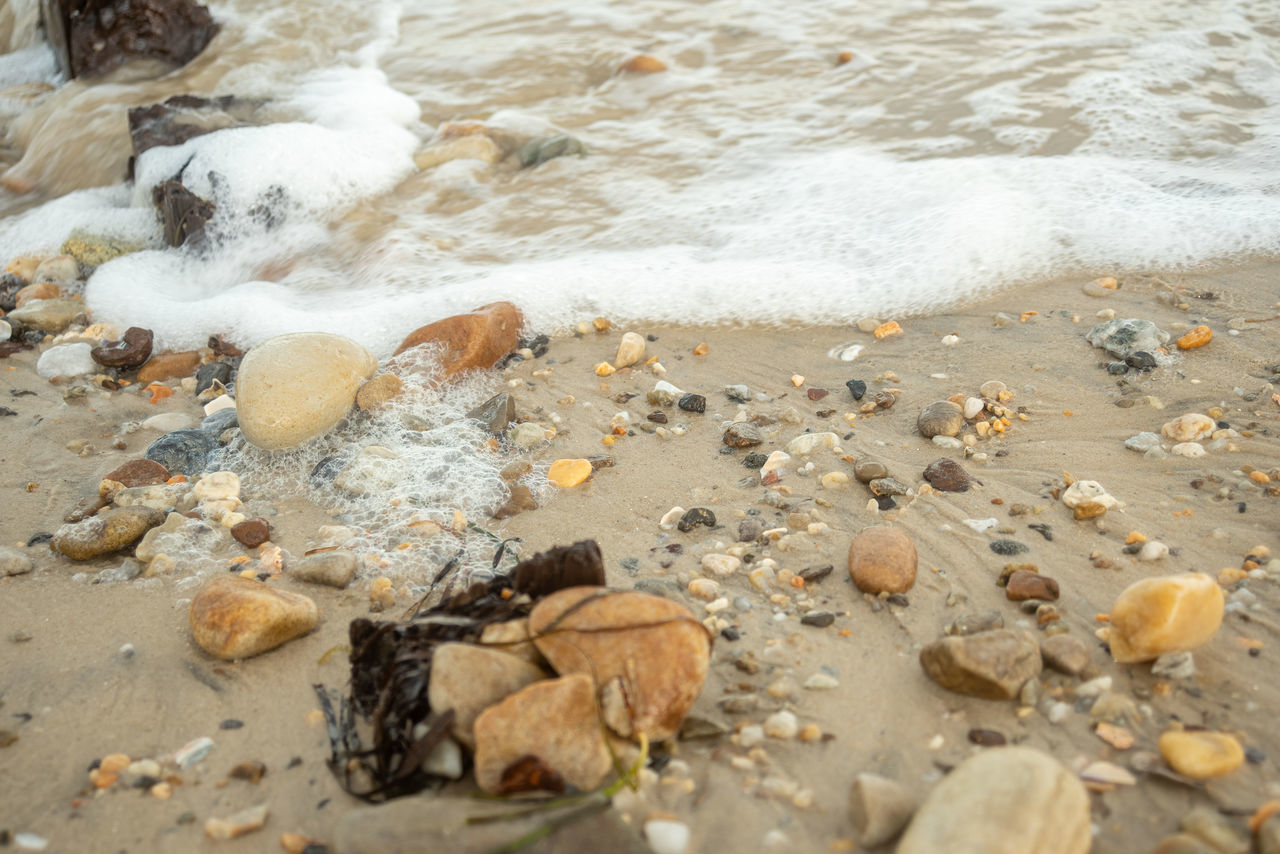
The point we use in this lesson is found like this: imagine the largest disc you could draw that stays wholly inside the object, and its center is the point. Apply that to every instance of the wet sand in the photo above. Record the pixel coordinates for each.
(86, 698)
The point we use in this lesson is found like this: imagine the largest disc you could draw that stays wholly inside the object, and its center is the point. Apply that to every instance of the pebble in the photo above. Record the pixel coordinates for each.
(1188, 427)
(527, 434)
(556, 722)
(946, 475)
(692, 403)
(972, 624)
(169, 422)
(105, 533)
(1142, 442)
(649, 676)
(1174, 665)
(1153, 550)
(50, 316)
(1123, 337)
(883, 486)
(30, 841)
(236, 824)
(476, 340)
(210, 373)
(132, 350)
(1008, 548)
(721, 565)
(742, 435)
(941, 418)
(1201, 754)
(295, 387)
(1195, 338)
(781, 725)
(857, 388)
(666, 836)
(182, 451)
(1065, 654)
(234, 617)
(818, 619)
(694, 517)
(66, 360)
(332, 569)
(1088, 492)
(1012, 800)
(475, 146)
(993, 665)
(630, 350)
(1107, 773)
(469, 679)
(538, 151)
(251, 533)
(377, 392)
(704, 589)
(1156, 616)
(14, 562)
(1188, 449)
(867, 470)
(1024, 584)
(821, 682)
(168, 366)
(739, 393)
(807, 443)
(882, 559)
(568, 473)
(880, 809)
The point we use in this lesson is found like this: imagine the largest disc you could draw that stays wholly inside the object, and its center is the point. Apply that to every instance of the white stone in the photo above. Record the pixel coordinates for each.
(718, 564)
(981, 525)
(973, 407)
(167, 422)
(666, 837)
(776, 462)
(835, 480)
(66, 360)
(751, 735)
(947, 442)
(663, 385)
(821, 682)
(950, 340)
(222, 401)
(217, 486)
(1094, 687)
(704, 589)
(62, 270)
(1142, 442)
(1188, 449)
(1153, 550)
(1083, 491)
(630, 350)
(445, 760)
(807, 443)
(6, 331)
(781, 725)
(671, 518)
(1188, 427)
(527, 434)
(14, 562)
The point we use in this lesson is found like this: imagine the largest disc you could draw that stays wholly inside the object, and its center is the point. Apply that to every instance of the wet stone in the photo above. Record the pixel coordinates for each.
(251, 533)
(132, 350)
(972, 624)
(657, 416)
(818, 619)
(866, 470)
(693, 403)
(538, 151)
(857, 388)
(754, 460)
(1141, 361)
(1024, 584)
(105, 533)
(14, 562)
(183, 451)
(138, 473)
(1065, 654)
(992, 665)
(749, 529)
(882, 560)
(1008, 548)
(941, 418)
(741, 435)
(695, 517)
(495, 414)
(946, 475)
(814, 574)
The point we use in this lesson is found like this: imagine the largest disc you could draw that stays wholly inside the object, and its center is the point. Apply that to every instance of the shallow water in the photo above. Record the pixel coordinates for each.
(965, 146)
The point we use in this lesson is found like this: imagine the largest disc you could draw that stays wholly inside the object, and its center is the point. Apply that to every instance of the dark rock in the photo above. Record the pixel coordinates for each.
(693, 403)
(819, 619)
(183, 213)
(987, 737)
(185, 117)
(885, 502)
(91, 37)
(754, 461)
(729, 633)
(881, 486)
(183, 451)
(1024, 584)
(817, 393)
(694, 517)
(1141, 361)
(749, 529)
(9, 287)
(741, 435)
(1117, 369)
(814, 574)
(495, 413)
(251, 533)
(940, 418)
(857, 388)
(223, 419)
(129, 352)
(207, 375)
(1124, 338)
(1008, 547)
(657, 416)
(946, 475)
(538, 151)
(577, 565)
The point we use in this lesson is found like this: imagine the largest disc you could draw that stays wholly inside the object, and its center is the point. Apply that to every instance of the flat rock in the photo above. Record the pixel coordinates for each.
(1156, 616)
(1004, 800)
(1024, 584)
(495, 414)
(105, 533)
(138, 473)
(48, 315)
(941, 418)
(295, 387)
(66, 360)
(252, 533)
(14, 562)
(234, 617)
(947, 475)
(476, 340)
(332, 569)
(1188, 428)
(183, 451)
(993, 665)
(1065, 654)
(435, 822)
(741, 435)
(555, 721)
(470, 679)
(648, 655)
(880, 809)
(882, 559)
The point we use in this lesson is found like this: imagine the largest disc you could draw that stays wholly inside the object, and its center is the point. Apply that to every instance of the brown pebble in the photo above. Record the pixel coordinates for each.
(987, 737)
(1023, 585)
(477, 339)
(252, 533)
(643, 64)
(168, 366)
(132, 350)
(817, 393)
(139, 473)
(946, 475)
(251, 770)
(378, 391)
(882, 559)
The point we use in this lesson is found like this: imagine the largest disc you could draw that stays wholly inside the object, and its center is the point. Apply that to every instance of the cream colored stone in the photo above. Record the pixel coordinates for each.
(1188, 427)
(234, 617)
(470, 679)
(630, 350)
(1156, 616)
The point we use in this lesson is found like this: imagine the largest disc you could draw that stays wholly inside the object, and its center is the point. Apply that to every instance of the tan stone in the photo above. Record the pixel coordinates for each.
(470, 679)
(647, 655)
(1004, 800)
(24, 266)
(475, 340)
(941, 418)
(630, 350)
(568, 473)
(555, 720)
(292, 388)
(234, 617)
(105, 533)
(880, 809)
(993, 665)
(169, 366)
(38, 291)
(475, 146)
(378, 391)
(882, 559)
(1156, 616)
(512, 637)
(1188, 428)
(1201, 754)
(643, 64)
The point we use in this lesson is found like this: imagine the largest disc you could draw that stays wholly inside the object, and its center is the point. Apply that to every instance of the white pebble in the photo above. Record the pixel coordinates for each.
(950, 340)
(1153, 550)
(821, 682)
(666, 837)
(781, 725)
(222, 401)
(704, 589)
(947, 442)
(750, 735)
(973, 407)
(167, 422)
(66, 360)
(718, 605)
(30, 841)
(671, 518)
(981, 525)
(807, 443)
(718, 564)
(1188, 449)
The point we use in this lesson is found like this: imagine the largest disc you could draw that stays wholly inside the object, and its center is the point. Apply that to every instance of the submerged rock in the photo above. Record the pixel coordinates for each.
(1122, 338)
(92, 38)
(133, 348)
(538, 151)
(476, 340)
(183, 451)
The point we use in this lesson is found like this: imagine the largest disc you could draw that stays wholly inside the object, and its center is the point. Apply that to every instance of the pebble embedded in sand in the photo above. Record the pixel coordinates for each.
(169, 366)
(237, 824)
(234, 617)
(1156, 616)
(807, 443)
(718, 564)
(1024, 584)
(568, 473)
(1188, 427)
(643, 64)
(993, 665)
(66, 360)
(630, 350)
(947, 475)
(1065, 654)
(1012, 800)
(741, 435)
(1201, 754)
(882, 559)
(332, 569)
(295, 387)
(880, 809)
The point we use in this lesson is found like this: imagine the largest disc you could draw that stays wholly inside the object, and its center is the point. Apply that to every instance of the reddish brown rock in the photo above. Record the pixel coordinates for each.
(168, 366)
(882, 560)
(142, 472)
(647, 655)
(129, 352)
(946, 475)
(234, 617)
(553, 722)
(1024, 584)
(475, 340)
(251, 533)
(38, 291)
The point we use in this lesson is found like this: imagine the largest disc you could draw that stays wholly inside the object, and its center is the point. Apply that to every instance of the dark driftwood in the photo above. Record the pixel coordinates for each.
(91, 37)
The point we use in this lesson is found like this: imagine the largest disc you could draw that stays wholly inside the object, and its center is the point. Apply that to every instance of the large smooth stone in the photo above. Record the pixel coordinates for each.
(292, 388)
(469, 341)
(66, 360)
(48, 315)
(1201, 754)
(880, 808)
(234, 617)
(942, 418)
(882, 559)
(470, 679)
(947, 475)
(1156, 616)
(554, 720)
(105, 533)
(993, 665)
(183, 451)
(332, 569)
(1005, 800)
(647, 655)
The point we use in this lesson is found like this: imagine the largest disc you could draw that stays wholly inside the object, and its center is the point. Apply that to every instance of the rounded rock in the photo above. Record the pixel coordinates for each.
(105, 533)
(1201, 754)
(880, 809)
(132, 350)
(295, 387)
(630, 350)
(882, 560)
(941, 418)
(1156, 616)
(1188, 427)
(474, 340)
(234, 617)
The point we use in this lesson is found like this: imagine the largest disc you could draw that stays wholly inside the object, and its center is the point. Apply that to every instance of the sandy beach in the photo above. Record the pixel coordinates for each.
(90, 668)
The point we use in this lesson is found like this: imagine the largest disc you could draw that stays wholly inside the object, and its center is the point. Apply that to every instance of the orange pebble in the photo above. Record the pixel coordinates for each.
(643, 64)
(1259, 477)
(177, 478)
(797, 581)
(702, 349)
(159, 392)
(844, 633)
(1197, 337)
(844, 57)
(1261, 814)
(1027, 315)
(884, 330)
(1134, 537)
(608, 440)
